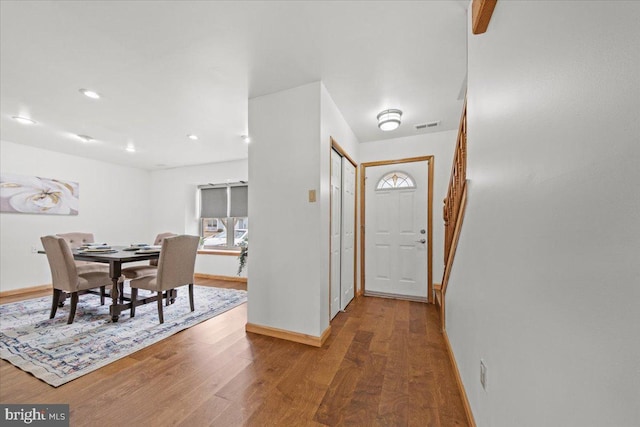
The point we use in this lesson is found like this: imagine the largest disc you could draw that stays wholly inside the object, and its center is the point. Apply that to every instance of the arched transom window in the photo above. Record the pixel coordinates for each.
(395, 179)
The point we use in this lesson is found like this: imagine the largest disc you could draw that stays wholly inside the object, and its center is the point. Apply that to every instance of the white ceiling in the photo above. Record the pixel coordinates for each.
(167, 69)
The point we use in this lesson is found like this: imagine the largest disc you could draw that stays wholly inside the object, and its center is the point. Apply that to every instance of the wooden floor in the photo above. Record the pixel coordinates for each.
(385, 364)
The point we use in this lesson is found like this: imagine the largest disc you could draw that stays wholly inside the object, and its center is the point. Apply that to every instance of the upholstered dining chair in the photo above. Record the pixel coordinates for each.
(175, 268)
(75, 240)
(149, 269)
(69, 277)
(159, 238)
(136, 271)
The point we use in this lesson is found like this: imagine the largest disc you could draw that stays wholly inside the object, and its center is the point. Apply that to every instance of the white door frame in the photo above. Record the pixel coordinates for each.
(335, 146)
(363, 166)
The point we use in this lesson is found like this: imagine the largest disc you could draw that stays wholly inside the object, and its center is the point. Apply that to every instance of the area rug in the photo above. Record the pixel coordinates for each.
(57, 353)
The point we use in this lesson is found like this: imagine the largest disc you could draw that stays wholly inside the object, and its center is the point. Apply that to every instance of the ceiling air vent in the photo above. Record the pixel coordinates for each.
(427, 125)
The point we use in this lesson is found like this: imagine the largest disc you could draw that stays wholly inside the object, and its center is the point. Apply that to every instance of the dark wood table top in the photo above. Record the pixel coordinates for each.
(120, 255)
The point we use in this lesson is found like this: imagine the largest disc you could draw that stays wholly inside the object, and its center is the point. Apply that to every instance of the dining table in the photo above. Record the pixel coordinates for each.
(115, 256)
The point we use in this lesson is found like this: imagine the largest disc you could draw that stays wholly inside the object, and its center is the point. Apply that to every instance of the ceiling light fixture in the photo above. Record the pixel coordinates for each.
(246, 138)
(23, 120)
(85, 138)
(389, 119)
(131, 148)
(90, 94)
(192, 137)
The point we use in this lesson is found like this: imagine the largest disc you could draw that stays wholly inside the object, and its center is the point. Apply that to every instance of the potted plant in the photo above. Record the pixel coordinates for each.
(242, 258)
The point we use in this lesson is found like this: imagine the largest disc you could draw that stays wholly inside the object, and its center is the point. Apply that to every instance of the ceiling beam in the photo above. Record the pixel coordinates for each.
(481, 14)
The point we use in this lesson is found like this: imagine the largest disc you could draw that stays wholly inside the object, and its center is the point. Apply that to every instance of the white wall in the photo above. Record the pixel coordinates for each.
(546, 282)
(114, 206)
(288, 156)
(284, 164)
(174, 206)
(441, 145)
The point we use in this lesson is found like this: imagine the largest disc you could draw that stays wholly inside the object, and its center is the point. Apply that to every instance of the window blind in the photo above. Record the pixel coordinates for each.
(239, 201)
(213, 202)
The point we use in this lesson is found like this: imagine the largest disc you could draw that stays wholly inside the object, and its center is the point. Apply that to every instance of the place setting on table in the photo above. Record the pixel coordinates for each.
(99, 248)
(104, 248)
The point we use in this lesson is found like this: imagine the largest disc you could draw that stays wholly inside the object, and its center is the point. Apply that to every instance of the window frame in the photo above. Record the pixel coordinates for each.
(225, 222)
(398, 174)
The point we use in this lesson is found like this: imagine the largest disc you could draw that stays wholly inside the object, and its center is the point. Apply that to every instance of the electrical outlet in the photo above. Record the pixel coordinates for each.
(483, 374)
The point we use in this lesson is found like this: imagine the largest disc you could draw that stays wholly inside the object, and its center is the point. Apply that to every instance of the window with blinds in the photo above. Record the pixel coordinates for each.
(224, 215)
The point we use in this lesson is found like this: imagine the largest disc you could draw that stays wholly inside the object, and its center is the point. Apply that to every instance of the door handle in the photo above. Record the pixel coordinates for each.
(423, 241)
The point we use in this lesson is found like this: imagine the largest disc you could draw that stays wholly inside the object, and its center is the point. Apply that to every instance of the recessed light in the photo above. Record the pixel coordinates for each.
(192, 137)
(24, 120)
(246, 138)
(85, 138)
(89, 93)
(131, 148)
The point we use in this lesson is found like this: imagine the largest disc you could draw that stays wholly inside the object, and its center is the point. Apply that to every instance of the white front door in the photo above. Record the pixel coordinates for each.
(395, 230)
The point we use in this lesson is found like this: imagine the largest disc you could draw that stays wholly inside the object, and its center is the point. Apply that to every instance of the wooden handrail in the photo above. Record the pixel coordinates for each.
(457, 182)
(453, 210)
(454, 242)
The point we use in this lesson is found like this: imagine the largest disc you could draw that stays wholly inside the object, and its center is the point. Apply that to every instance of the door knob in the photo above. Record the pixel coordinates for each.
(423, 231)
(423, 241)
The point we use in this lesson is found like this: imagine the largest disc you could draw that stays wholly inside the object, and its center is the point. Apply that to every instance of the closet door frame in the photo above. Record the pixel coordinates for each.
(334, 146)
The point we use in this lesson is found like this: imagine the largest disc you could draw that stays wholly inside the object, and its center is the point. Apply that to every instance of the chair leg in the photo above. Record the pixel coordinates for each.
(62, 298)
(102, 294)
(134, 298)
(191, 297)
(121, 292)
(160, 315)
(72, 309)
(54, 302)
(169, 291)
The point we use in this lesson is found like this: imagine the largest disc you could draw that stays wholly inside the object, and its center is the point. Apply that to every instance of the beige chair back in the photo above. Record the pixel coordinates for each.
(159, 238)
(177, 261)
(63, 268)
(77, 239)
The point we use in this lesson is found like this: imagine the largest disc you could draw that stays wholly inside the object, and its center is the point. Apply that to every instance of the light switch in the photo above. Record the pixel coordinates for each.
(312, 196)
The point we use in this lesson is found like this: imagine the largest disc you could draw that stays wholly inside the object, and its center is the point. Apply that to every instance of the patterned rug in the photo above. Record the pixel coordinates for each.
(57, 353)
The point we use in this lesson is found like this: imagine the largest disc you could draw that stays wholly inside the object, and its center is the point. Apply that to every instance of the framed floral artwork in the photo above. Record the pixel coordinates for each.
(35, 195)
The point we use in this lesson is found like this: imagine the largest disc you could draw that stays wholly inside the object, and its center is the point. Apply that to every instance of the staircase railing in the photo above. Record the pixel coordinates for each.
(453, 210)
(457, 183)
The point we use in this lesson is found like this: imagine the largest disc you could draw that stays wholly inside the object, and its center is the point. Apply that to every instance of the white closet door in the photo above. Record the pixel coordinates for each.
(336, 220)
(348, 232)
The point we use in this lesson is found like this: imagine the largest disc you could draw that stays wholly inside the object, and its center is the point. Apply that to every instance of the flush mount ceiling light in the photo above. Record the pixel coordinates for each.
(389, 120)
(90, 94)
(131, 148)
(23, 120)
(192, 137)
(246, 138)
(85, 138)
